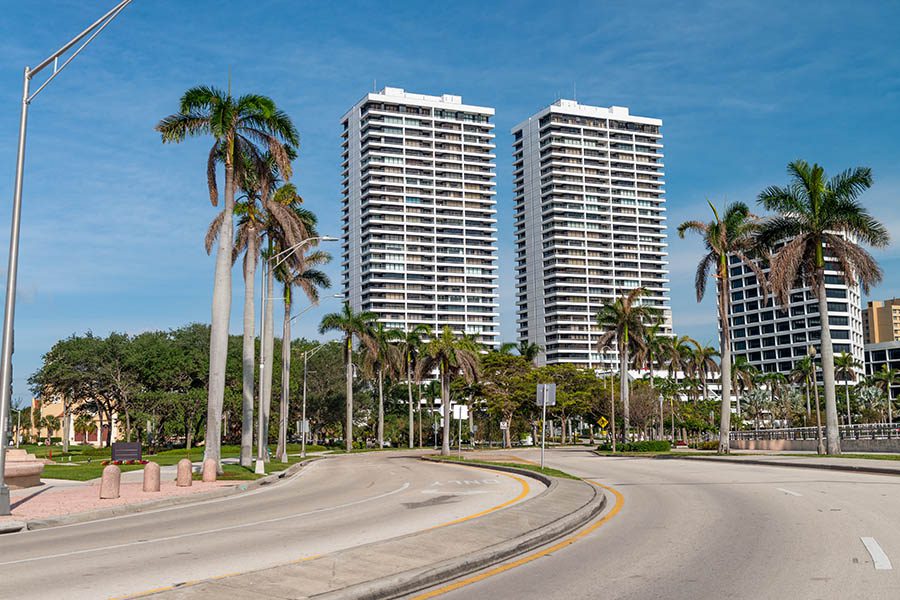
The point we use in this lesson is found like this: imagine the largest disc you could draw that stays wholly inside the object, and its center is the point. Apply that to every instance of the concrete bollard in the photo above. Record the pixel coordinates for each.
(210, 467)
(109, 482)
(151, 477)
(185, 474)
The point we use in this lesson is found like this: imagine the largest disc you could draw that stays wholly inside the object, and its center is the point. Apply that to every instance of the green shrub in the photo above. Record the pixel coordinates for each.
(710, 445)
(643, 446)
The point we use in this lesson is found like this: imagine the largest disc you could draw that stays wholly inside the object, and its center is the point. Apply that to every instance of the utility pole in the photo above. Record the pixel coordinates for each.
(6, 351)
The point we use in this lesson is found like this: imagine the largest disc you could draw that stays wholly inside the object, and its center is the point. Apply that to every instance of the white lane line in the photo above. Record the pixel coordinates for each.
(206, 531)
(235, 496)
(879, 558)
(788, 492)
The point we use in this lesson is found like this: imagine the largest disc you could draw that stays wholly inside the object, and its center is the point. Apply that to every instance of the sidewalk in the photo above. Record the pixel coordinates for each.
(810, 461)
(399, 566)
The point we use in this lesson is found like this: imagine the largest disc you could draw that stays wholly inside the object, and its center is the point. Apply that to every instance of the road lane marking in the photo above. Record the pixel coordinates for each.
(524, 492)
(207, 531)
(879, 558)
(620, 500)
(789, 492)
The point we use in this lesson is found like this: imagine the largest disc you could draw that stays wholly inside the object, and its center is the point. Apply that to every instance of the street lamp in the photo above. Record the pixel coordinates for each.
(304, 425)
(279, 258)
(10, 304)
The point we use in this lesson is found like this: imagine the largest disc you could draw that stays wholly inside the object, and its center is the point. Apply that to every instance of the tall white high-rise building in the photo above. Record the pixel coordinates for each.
(773, 338)
(419, 214)
(590, 224)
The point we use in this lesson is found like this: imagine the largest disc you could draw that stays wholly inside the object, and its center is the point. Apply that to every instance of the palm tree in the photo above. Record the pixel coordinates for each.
(350, 323)
(847, 367)
(802, 373)
(678, 352)
(742, 376)
(304, 275)
(528, 350)
(453, 357)
(256, 181)
(239, 126)
(886, 378)
(729, 235)
(775, 382)
(507, 348)
(820, 223)
(625, 320)
(410, 346)
(654, 348)
(287, 225)
(703, 363)
(379, 360)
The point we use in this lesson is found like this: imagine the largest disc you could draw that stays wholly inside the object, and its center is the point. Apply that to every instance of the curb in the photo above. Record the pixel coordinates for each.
(139, 507)
(401, 584)
(794, 464)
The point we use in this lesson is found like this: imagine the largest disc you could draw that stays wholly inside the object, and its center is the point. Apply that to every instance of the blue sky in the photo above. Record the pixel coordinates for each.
(113, 220)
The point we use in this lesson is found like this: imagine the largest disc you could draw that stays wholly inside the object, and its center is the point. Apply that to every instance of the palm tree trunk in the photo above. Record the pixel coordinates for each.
(847, 397)
(445, 401)
(832, 434)
(65, 417)
(348, 424)
(380, 407)
(285, 406)
(269, 341)
(409, 393)
(419, 410)
(248, 353)
(623, 375)
(725, 374)
(221, 315)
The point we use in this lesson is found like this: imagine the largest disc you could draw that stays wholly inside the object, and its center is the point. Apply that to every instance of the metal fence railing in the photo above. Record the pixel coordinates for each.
(865, 431)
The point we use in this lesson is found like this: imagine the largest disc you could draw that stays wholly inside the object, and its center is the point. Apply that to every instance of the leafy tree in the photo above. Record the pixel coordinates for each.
(507, 384)
(819, 226)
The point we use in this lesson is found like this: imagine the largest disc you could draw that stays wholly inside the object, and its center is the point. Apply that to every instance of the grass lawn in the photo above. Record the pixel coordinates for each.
(80, 472)
(528, 467)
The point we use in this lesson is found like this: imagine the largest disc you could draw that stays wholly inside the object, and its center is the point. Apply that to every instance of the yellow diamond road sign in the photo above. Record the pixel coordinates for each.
(602, 422)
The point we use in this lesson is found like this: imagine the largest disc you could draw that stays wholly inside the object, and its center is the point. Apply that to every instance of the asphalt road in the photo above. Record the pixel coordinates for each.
(333, 504)
(695, 530)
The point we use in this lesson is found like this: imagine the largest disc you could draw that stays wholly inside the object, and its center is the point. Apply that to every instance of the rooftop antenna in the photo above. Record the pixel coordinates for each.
(574, 92)
(374, 85)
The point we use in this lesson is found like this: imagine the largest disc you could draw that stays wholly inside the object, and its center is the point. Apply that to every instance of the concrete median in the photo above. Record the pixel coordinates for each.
(399, 566)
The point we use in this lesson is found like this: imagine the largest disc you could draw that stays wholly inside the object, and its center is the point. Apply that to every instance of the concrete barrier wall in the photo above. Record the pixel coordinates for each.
(886, 446)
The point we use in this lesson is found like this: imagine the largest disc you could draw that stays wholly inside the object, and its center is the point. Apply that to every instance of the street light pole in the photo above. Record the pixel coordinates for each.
(6, 350)
(262, 425)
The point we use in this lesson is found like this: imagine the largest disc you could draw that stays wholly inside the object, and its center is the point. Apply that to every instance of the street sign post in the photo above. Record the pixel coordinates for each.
(546, 396)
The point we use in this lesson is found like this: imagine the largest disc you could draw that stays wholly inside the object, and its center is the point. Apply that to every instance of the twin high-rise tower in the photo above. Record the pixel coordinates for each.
(420, 227)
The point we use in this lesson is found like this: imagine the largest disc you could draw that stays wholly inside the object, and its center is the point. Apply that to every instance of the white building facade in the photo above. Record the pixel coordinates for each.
(590, 224)
(419, 212)
(773, 338)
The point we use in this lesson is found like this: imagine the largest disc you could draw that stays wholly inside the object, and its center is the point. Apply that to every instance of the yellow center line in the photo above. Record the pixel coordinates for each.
(524, 492)
(620, 501)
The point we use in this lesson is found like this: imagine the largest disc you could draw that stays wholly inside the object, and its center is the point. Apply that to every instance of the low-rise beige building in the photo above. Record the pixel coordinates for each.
(881, 321)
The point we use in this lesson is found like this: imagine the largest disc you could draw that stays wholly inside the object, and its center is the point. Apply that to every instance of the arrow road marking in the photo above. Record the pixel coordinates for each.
(789, 492)
(879, 558)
